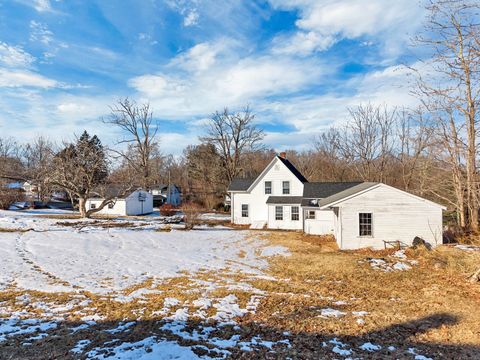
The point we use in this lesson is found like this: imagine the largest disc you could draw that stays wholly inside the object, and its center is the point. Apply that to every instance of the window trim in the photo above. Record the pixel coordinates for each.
(365, 224)
(265, 187)
(308, 217)
(247, 211)
(283, 188)
(277, 216)
(297, 213)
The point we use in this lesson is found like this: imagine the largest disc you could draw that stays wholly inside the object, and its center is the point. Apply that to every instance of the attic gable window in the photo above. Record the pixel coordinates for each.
(365, 224)
(268, 187)
(286, 187)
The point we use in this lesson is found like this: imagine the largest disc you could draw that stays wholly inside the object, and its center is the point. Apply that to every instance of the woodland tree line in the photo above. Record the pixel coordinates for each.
(431, 150)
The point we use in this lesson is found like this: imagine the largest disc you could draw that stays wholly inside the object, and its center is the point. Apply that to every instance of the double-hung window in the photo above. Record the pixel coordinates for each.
(286, 187)
(295, 213)
(365, 224)
(311, 214)
(278, 212)
(245, 210)
(268, 187)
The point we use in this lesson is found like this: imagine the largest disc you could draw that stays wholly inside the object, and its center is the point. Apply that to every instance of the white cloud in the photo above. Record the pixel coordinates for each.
(42, 5)
(14, 56)
(19, 78)
(302, 43)
(186, 91)
(191, 18)
(40, 33)
(322, 21)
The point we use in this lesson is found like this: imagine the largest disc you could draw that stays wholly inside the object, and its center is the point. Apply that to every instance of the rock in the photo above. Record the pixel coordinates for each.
(419, 242)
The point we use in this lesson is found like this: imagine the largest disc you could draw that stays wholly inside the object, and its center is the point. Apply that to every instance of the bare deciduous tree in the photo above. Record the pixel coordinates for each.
(449, 84)
(367, 140)
(136, 121)
(233, 135)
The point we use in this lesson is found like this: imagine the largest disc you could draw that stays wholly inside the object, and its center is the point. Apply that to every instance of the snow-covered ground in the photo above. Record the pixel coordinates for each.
(43, 254)
(136, 288)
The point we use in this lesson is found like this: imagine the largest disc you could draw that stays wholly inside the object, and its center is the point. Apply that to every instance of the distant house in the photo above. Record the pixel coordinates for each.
(136, 202)
(166, 194)
(358, 214)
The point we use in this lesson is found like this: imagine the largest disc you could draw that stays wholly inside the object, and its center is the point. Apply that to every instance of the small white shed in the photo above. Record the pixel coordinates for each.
(138, 202)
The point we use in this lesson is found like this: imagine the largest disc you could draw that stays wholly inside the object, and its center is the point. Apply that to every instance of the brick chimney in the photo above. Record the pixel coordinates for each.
(283, 155)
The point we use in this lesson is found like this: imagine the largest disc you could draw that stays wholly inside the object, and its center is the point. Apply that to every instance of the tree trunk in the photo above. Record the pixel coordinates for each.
(82, 207)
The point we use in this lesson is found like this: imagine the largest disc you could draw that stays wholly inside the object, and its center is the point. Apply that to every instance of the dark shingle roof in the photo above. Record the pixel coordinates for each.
(284, 200)
(347, 192)
(240, 184)
(293, 169)
(321, 190)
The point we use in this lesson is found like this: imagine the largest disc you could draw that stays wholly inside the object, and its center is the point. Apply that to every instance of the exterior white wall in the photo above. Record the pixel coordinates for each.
(137, 207)
(129, 206)
(397, 216)
(119, 208)
(257, 199)
(287, 223)
(323, 224)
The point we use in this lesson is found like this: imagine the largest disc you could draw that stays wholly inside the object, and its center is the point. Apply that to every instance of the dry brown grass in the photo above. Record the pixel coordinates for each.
(14, 230)
(314, 277)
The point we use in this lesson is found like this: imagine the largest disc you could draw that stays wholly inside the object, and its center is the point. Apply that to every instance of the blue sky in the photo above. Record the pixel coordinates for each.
(299, 64)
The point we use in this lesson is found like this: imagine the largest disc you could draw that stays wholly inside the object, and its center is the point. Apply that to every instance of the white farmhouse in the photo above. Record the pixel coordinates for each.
(137, 202)
(358, 214)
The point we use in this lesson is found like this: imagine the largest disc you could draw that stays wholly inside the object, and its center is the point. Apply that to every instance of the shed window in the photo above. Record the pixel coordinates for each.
(311, 214)
(365, 224)
(268, 187)
(278, 212)
(286, 187)
(93, 206)
(244, 210)
(295, 213)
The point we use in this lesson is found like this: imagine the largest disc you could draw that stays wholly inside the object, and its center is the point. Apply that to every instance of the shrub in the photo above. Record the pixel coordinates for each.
(191, 214)
(9, 197)
(168, 210)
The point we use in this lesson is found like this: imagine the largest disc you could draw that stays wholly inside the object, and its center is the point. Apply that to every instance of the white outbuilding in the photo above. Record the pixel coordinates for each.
(136, 202)
(358, 214)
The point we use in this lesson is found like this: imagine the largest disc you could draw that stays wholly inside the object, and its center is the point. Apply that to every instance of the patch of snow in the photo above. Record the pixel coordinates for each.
(329, 313)
(400, 266)
(368, 346)
(467, 247)
(276, 250)
(146, 349)
(79, 346)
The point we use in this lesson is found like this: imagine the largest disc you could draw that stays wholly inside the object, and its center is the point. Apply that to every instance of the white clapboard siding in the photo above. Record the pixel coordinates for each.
(129, 206)
(397, 216)
(323, 224)
(276, 172)
(287, 223)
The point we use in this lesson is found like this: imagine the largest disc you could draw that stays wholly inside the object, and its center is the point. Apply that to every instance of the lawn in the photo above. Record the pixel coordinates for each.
(139, 289)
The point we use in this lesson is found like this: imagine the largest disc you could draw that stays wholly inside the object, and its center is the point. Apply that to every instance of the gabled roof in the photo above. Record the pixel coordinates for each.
(321, 190)
(284, 200)
(293, 169)
(239, 184)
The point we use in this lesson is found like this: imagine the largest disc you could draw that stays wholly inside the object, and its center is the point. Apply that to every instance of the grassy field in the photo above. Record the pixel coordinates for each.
(316, 303)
